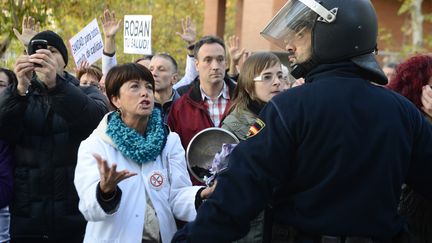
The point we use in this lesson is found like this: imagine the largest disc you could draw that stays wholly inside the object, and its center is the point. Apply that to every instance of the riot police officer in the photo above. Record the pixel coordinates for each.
(329, 156)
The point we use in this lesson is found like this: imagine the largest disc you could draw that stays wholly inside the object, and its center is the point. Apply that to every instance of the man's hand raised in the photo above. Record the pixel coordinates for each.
(29, 29)
(189, 30)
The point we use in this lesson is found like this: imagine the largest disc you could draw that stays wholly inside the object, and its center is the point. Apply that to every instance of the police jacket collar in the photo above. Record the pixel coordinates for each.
(348, 68)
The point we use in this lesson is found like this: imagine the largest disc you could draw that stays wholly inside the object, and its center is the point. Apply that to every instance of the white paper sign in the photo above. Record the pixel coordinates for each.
(137, 34)
(87, 44)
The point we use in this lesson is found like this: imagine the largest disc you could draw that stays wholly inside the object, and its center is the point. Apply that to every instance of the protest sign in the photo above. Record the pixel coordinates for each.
(87, 44)
(137, 34)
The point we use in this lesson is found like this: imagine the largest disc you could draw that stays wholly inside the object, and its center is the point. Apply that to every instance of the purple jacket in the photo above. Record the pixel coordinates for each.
(5, 174)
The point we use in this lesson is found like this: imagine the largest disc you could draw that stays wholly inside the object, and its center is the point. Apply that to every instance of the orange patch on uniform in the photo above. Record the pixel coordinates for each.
(255, 128)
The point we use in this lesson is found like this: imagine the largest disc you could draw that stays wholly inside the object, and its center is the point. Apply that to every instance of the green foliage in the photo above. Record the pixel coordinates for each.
(11, 15)
(405, 7)
(386, 36)
(427, 41)
(67, 18)
(13, 11)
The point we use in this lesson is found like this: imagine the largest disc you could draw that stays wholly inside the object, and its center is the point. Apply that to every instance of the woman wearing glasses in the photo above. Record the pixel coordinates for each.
(260, 79)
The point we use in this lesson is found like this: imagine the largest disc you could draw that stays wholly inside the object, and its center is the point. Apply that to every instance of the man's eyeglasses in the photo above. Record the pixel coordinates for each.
(269, 77)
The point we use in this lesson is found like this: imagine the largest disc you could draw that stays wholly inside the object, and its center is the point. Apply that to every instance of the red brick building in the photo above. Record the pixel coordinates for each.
(253, 15)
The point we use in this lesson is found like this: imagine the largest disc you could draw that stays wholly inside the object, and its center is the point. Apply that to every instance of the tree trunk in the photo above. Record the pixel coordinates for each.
(417, 25)
(4, 45)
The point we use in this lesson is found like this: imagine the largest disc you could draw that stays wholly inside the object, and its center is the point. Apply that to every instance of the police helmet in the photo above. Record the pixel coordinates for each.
(340, 30)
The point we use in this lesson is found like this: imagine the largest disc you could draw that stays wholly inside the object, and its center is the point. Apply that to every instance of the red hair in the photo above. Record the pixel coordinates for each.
(411, 76)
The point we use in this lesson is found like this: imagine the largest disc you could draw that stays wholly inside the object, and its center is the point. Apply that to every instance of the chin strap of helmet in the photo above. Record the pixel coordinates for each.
(300, 70)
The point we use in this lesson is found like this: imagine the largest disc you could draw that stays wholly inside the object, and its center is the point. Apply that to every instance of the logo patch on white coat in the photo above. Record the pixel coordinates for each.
(157, 179)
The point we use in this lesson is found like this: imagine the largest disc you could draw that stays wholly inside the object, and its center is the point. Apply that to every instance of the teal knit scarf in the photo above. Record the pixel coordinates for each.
(135, 146)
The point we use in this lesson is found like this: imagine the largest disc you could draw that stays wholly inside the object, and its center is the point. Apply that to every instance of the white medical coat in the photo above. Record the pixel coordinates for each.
(166, 181)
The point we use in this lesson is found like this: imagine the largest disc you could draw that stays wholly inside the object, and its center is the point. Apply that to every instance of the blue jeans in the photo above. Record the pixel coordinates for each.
(4, 224)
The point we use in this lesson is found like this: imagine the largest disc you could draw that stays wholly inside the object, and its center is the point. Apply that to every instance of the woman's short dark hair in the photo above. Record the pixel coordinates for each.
(11, 76)
(121, 74)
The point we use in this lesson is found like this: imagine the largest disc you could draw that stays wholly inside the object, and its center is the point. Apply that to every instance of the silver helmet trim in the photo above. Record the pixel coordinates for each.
(326, 15)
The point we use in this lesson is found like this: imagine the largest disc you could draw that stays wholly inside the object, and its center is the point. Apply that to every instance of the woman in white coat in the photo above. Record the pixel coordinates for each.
(131, 174)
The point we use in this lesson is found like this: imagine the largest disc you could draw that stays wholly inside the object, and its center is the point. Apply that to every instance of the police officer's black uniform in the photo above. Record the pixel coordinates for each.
(330, 156)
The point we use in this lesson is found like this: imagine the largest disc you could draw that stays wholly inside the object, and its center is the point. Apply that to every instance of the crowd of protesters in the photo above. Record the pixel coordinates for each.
(333, 148)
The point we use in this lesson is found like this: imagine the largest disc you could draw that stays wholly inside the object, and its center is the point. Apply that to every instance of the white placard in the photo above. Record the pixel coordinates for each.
(137, 34)
(87, 44)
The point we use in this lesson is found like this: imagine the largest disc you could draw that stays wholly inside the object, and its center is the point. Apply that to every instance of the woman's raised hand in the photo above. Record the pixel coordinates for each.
(109, 176)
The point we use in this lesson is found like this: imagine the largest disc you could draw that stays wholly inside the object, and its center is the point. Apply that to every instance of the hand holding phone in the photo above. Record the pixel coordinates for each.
(36, 45)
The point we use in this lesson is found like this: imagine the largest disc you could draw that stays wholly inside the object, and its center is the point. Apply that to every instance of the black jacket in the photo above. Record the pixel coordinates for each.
(46, 127)
(330, 156)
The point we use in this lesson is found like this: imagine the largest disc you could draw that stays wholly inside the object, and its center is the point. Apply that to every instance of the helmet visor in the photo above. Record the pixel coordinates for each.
(291, 23)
